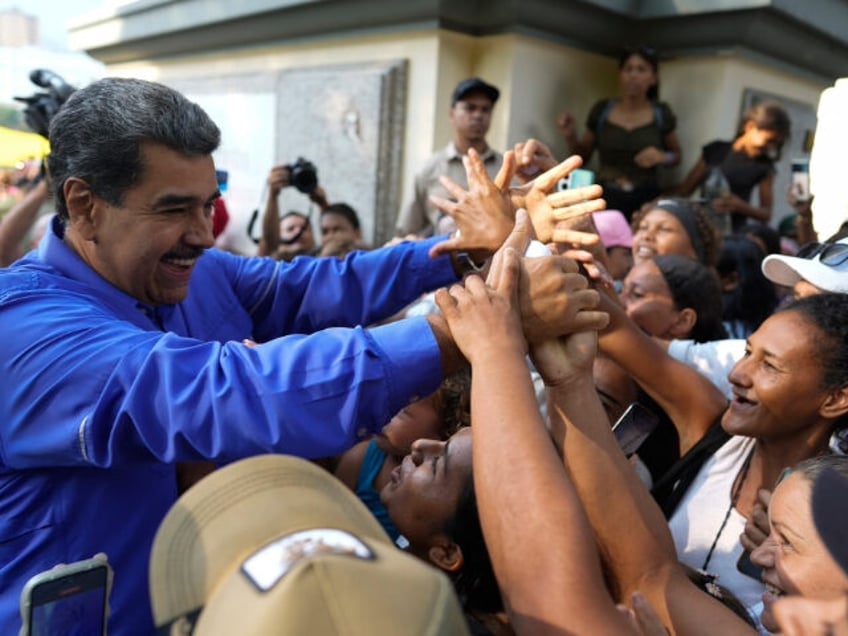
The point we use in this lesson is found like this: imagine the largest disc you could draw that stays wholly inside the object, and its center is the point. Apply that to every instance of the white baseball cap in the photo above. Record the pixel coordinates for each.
(827, 269)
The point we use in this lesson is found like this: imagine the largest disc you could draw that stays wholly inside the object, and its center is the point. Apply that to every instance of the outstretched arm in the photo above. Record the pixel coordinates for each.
(629, 527)
(693, 179)
(277, 180)
(691, 401)
(549, 586)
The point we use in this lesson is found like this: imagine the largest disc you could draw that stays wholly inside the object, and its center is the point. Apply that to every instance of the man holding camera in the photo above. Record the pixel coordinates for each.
(470, 115)
(121, 338)
(289, 236)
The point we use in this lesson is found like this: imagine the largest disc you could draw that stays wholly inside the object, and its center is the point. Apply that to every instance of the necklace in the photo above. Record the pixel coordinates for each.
(734, 497)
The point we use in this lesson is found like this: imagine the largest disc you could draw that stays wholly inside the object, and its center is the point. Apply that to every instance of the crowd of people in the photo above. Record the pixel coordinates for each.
(427, 436)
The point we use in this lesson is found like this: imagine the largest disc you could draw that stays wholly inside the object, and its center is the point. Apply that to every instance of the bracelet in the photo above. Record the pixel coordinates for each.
(670, 158)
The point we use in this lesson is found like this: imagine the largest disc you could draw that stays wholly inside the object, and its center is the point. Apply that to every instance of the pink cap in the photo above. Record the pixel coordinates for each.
(613, 228)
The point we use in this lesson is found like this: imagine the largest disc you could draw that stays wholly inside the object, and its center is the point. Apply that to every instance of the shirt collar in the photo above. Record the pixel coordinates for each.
(454, 155)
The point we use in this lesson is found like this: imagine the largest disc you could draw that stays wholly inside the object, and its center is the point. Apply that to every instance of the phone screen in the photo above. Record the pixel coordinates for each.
(633, 427)
(72, 604)
(801, 179)
(747, 567)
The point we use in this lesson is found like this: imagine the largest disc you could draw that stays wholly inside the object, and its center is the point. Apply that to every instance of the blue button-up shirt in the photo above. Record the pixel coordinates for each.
(102, 395)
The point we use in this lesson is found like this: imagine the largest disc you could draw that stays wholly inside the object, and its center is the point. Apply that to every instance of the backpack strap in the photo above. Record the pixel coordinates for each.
(602, 118)
(672, 487)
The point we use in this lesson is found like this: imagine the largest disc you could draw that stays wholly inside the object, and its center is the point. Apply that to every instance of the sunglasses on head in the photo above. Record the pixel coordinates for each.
(830, 254)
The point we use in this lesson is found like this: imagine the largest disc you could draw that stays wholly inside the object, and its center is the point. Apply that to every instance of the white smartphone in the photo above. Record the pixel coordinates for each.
(71, 597)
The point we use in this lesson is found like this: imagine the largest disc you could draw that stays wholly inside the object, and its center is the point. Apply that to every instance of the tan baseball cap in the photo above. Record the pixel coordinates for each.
(276, 545)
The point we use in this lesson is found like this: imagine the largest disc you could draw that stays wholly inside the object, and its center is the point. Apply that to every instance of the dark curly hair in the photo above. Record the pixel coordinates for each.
(452, 402)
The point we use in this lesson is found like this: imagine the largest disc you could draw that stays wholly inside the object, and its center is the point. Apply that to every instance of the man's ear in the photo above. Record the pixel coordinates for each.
(685, 322)
(80, 202)
(835, 404)
(446, 555)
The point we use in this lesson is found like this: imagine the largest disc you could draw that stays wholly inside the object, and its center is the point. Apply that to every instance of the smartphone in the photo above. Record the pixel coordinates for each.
(633, 427)
(68, 598)
(801, 179)
(577, 178)
(747, 567)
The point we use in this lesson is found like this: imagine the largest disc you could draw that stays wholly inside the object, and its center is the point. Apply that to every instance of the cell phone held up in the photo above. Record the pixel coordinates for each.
(577, 178)
(69, 598)
(801, 180)
(633, 427)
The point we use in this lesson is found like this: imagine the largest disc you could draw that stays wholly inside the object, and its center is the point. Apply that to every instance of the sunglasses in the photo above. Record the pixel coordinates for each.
(830, 254)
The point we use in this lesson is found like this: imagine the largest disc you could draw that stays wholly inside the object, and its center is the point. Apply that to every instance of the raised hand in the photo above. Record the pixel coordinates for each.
(278, 179)
(566, 124)
(561, 360)
(650, 157)
(532, 157)
(475, 311)
(483, 214)
(547, 207)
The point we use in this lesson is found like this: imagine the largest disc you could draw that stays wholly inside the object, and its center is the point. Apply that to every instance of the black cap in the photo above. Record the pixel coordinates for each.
(830, 513)
(474, 85)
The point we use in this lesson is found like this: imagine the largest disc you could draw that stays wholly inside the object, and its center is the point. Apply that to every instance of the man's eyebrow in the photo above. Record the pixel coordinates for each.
(168, 200)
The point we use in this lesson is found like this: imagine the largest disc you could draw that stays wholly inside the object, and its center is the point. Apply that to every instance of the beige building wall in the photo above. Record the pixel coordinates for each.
(538, 78)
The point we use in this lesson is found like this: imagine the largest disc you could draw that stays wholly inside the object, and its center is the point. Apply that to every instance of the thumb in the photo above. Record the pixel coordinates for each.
(507, 170)
(508, 277)
(517, 241)
(521, 234)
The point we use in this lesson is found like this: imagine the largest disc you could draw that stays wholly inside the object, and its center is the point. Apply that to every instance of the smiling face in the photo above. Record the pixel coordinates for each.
(660, 232)
(149, 245)
(637, 76)
(777, 389)
(794, 559)
(424, 491)
(648, 301)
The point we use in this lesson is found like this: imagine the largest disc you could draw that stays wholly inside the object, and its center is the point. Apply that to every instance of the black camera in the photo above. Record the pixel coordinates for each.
(42, 106)
(303, 175)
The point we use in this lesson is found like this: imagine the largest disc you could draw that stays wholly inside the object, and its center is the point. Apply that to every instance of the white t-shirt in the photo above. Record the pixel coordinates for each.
(698, 518)
(713, 360)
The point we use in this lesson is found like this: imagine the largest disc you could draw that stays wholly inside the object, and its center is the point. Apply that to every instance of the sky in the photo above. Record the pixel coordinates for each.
(53, 16)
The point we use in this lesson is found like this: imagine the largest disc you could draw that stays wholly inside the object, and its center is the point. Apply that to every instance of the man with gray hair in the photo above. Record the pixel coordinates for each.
(121, 341)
